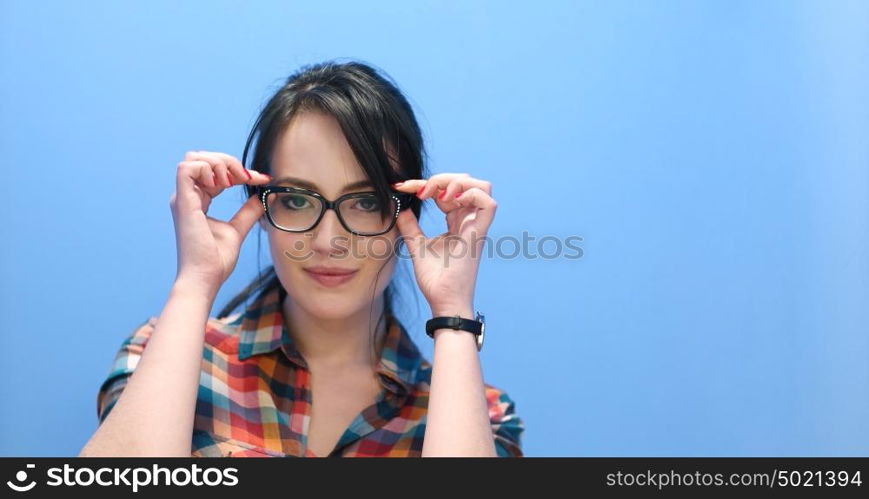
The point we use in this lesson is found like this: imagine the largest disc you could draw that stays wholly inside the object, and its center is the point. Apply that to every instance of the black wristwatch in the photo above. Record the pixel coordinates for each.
(476, 326)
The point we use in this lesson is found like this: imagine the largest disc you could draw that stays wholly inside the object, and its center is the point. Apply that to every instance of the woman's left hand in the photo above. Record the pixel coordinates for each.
(446, 265)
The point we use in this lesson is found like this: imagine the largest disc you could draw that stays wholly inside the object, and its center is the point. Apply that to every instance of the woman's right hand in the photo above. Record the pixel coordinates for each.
(208, 248)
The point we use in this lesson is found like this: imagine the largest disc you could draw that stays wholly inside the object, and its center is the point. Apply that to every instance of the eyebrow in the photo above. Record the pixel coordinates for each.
(312, 186)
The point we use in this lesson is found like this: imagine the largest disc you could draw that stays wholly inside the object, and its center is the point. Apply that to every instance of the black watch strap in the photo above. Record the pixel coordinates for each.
(477, 326)
(454, 322)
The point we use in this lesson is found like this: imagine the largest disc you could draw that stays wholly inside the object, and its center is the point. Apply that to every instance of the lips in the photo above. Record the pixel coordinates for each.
(330, 270)
(330, 276)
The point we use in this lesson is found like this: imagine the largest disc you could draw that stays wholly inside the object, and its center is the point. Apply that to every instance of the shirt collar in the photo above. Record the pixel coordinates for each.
(263, 330)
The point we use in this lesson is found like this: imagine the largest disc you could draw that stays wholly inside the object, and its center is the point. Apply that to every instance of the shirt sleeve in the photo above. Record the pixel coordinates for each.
(126, 360)
(507, 426)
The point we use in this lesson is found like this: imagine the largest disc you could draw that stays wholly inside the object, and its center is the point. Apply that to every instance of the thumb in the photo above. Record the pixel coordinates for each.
(411, 233)
(247, 215)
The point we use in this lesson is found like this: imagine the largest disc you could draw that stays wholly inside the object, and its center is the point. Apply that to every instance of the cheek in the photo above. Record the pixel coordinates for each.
(290, 248)
(379, 248)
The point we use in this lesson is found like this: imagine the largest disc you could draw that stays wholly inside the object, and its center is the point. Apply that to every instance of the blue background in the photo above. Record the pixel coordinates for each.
(713, 156)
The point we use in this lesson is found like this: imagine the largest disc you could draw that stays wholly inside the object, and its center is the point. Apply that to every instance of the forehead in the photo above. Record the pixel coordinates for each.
(313, 148)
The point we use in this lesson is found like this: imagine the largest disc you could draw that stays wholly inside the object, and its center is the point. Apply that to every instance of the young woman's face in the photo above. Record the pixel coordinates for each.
(314, 150)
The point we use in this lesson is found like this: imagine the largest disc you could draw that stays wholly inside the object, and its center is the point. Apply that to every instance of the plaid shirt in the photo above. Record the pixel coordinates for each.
(254, 395)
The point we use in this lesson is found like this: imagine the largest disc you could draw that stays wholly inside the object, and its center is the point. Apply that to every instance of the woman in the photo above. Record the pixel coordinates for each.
(317, 364)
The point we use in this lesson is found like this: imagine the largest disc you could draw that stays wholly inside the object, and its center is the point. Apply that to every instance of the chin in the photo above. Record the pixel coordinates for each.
(329, 302)
(328, 308)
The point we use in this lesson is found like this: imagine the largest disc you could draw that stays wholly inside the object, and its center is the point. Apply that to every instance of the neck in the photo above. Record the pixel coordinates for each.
(336, 344)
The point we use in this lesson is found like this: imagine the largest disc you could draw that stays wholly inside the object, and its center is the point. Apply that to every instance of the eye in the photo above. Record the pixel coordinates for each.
(294, 202)
(367, 204)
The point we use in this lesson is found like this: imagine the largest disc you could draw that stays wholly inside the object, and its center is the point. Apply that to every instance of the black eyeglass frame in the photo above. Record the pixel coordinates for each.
(403, 201)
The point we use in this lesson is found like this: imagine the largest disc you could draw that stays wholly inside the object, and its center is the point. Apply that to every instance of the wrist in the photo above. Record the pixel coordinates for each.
(444, 323)
(465, 311)
(195, 287)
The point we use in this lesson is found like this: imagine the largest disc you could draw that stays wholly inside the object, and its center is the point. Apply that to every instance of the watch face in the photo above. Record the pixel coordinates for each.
(482, 319)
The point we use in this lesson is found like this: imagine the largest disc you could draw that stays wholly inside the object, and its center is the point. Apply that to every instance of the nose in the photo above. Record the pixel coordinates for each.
(329, 237)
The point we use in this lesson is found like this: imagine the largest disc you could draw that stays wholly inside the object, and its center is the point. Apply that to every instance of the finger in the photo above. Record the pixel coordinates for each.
(426, 187)
(408, 185)
(222, 173)
(218, 166)
(411, 232)
(222, 178)
(436, 183)
(206, 177)
(208, 185)
(201, 157)
(446, 201)
(458, 185)
(245, 218)
(258, 177)
(240, 174)
(190, 176)
(476, 197)
(203, 176)
(184, 181)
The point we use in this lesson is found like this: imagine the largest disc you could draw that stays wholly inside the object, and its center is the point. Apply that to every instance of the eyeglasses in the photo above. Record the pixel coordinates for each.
(293, 209)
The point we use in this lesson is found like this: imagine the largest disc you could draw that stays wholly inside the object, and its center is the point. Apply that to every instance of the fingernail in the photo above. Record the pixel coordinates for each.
(397, 184)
